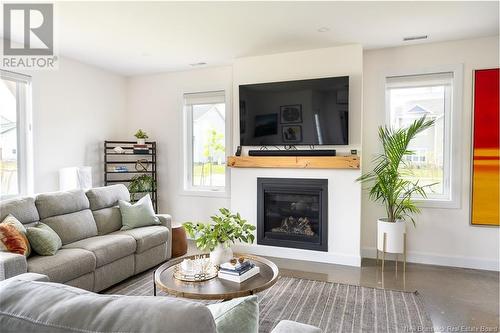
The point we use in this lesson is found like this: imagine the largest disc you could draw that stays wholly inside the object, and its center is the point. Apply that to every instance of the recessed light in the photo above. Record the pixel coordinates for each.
(198, 64)
(410, 38)
(323, 29)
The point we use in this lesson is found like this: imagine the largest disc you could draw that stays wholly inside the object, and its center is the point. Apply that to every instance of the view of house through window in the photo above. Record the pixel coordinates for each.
(410, 98)
(206, 140)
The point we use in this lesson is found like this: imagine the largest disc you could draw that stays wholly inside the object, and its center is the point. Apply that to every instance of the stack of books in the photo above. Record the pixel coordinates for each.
(238, 272)
(141, 149)
(118, 168)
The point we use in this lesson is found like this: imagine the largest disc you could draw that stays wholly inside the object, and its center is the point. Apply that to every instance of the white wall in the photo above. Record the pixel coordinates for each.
(75, 108)
(344, 197)
(155, 104)
(442, 236)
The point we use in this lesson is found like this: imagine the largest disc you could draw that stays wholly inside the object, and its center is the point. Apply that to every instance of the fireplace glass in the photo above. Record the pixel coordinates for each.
(292, 213)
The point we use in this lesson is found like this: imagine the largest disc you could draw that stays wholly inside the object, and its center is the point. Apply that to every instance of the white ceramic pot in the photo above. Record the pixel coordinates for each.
(141, 141)
(221, 254)
(394, 235)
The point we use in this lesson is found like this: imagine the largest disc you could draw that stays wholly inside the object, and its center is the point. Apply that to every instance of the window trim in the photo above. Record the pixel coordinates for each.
(455, 127)
(186, 160)
(24, 134)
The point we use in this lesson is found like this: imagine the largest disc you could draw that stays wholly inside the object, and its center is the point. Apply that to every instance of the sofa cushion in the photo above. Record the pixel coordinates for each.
(60, 203)
(12, 237)
(107, 196)
(139, 214)
(146, 237)
(65, 265)
(107, 248)
(237, 315)
(107, 220)
(43, 239)
(73, 226)
(24, 307)
(23, 209)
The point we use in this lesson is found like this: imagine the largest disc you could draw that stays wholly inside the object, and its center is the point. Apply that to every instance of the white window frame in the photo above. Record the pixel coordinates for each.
(186, 187)
(24, 133)
(453, 159)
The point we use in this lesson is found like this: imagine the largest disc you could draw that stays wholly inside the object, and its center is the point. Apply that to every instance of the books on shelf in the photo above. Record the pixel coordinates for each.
(141, 149)
(118, 168)
(254, 270)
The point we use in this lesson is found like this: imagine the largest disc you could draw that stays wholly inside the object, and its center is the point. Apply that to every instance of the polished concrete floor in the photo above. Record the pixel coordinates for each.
(454, 297)
(457, 299)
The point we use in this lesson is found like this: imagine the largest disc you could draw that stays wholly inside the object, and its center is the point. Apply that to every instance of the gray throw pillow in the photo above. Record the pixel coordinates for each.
(43, 239)
(137, 215)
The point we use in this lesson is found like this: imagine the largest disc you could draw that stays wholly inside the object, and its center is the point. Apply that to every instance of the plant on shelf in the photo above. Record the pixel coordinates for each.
(141, 184)
(141, 136)
(390, 184)
(217, 237)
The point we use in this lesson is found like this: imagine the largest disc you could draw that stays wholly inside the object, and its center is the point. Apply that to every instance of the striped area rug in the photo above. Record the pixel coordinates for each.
(333, 307)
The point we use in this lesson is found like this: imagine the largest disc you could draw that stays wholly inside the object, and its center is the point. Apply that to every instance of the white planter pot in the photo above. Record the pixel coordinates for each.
(221, 255)
(141, 141)
(394, 232)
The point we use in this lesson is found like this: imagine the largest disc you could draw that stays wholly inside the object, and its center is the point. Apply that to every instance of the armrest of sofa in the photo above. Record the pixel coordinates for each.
(12, 264)
(166, 221)
(237, 315)
(288, 326)
(31, 277)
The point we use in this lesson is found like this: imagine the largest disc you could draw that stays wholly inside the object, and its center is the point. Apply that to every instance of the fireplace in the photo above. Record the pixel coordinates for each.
(293, 213)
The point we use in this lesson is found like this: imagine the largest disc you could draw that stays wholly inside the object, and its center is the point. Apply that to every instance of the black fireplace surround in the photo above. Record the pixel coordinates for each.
(293, 212)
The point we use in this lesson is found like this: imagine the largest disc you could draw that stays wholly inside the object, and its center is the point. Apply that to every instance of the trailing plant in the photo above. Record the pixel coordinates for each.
(227, 228)
(140, 184)
(389, 181)
(140, 134)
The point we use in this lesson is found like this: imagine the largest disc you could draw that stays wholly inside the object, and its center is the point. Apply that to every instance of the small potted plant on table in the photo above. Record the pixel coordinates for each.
(217, 237)
(390, 184)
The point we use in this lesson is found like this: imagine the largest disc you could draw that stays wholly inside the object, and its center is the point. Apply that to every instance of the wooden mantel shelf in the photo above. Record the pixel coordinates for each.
(294, 162)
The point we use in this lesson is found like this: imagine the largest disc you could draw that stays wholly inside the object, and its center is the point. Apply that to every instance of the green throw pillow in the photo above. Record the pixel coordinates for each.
(137, 215)
(43, 239)
(237, 315)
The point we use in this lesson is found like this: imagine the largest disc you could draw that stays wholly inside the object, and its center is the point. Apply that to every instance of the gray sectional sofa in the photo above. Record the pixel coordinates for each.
(24, 307)
(95, 254)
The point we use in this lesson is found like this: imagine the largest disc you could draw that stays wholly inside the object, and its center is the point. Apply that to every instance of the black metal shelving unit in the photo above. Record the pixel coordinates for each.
(130, 160)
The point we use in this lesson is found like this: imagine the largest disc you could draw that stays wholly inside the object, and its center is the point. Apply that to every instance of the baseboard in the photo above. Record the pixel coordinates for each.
(436, 259)
(298, 254)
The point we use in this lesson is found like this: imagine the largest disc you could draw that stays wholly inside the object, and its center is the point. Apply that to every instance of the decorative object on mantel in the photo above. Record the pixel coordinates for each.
(198, 269)
(389, 185)
(217, 237)
(141, 137)
(124, 164)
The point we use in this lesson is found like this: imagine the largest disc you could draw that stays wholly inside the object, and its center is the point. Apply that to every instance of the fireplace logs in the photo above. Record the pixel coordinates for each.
(292, 225)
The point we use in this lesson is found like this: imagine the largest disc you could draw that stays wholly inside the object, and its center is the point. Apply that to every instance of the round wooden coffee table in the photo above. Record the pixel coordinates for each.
(215, 288)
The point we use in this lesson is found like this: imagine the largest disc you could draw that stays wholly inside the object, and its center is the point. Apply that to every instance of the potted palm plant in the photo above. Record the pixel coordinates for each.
(217, 237)
(390, 184)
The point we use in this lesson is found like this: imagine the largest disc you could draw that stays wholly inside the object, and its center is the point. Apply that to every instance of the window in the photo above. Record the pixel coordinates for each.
(432, 95)
(205, 149)
(15, 135)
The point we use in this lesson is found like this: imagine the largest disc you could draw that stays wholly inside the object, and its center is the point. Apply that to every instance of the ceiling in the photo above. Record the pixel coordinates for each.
(133, 38)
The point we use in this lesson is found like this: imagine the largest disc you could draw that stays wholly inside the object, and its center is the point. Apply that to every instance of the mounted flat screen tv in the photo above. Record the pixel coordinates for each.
(303, 112)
